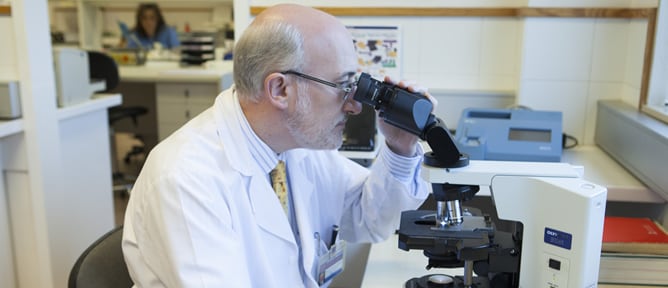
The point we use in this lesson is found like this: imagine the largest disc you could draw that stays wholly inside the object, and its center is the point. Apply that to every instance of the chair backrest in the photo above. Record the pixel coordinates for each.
(102, 264)
(102, 66)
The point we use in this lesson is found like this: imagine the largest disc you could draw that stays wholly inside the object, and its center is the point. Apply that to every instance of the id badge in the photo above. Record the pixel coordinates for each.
(331, 263)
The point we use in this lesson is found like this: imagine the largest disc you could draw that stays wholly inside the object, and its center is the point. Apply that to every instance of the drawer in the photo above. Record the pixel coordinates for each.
(172, 113)
(180, 90)
(202, 100)
(169, 92)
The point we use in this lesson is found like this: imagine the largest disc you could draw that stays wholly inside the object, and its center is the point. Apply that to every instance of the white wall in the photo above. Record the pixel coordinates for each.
(457, 52)
(570, 63)
(461, 59)
(563, 64)
(7, 72)
(7, 52)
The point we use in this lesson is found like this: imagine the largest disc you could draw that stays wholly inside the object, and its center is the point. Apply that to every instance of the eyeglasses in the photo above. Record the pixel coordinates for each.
(346, 88)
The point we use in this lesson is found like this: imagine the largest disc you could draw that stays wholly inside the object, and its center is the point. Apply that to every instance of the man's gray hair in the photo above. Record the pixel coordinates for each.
(265, 48)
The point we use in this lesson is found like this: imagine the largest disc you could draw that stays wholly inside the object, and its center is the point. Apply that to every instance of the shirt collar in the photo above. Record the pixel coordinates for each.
(264, 156)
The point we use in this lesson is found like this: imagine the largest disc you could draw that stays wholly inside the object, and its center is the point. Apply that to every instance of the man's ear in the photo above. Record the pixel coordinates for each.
(276, 88)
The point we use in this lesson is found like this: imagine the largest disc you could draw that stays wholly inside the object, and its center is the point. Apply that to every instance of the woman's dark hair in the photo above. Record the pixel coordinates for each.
(140, 11)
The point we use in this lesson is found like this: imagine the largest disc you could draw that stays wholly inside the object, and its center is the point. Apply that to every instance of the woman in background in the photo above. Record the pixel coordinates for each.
(149, 28)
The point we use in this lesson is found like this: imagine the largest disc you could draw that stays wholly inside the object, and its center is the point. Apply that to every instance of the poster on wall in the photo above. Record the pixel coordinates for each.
(378, 50)
(378, 53)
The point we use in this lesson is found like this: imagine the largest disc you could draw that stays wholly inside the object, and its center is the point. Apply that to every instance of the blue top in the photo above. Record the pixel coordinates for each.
(166, 36)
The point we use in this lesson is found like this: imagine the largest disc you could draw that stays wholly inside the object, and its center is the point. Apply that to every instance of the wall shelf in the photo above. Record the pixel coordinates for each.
(484, 12)
(10, 127)
(5, 10)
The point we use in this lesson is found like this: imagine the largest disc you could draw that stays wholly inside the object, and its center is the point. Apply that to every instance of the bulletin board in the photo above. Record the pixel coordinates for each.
(378, 50)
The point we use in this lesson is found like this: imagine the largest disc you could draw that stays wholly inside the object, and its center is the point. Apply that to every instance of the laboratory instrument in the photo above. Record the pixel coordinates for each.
(510, 134)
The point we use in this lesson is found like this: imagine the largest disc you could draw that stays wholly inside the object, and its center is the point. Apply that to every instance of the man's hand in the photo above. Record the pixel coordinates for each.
(398, 140)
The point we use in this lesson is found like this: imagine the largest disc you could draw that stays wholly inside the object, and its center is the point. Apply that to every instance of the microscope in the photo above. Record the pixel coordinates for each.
(558, 217)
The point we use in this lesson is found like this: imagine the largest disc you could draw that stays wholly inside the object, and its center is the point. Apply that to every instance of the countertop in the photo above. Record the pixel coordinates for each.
(99, 101)
(171, 71)
(9, 127)
(600, 169)
(603, 170)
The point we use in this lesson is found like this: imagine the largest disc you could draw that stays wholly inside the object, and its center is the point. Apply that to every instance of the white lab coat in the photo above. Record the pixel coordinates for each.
(202, 215)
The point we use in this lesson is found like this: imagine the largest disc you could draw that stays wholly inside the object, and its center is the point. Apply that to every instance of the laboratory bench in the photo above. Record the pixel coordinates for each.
(172, 94)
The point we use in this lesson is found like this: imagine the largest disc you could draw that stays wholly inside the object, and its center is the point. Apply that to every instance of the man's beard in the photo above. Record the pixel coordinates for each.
(304, 126)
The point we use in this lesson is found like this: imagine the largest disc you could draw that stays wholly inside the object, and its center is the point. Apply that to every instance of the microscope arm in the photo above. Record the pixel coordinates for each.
(481, 173)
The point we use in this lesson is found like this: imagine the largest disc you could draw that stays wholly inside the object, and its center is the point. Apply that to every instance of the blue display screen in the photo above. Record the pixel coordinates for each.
(558, 238)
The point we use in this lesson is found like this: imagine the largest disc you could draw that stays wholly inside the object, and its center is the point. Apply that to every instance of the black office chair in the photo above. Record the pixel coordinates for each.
(102, 66)
(102, 264)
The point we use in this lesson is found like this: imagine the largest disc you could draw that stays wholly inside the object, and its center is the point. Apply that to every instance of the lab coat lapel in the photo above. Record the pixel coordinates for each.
(268, 212)
(230, 131)
(303, 193)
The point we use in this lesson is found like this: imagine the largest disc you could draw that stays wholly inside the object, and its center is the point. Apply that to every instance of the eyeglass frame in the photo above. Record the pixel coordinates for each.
(347, 90)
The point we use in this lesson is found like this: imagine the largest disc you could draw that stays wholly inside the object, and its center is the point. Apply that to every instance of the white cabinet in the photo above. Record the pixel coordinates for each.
(51, 226)
(177, 103)
(172, 94)
(6, 247)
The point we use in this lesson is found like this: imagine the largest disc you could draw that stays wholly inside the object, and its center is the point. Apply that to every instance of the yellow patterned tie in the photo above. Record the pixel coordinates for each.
(280, 183)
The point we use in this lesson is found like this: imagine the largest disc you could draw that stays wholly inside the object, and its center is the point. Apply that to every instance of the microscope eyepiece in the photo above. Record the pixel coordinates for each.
(397, 106)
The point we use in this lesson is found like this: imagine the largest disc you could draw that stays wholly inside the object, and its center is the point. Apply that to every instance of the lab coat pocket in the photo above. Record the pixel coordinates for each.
(321, 246)
(331, 263)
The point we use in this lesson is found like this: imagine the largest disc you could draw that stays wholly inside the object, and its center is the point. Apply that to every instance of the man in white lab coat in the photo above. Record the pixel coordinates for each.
(203, 212)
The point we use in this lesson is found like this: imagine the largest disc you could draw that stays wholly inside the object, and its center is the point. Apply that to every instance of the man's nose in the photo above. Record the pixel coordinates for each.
(352, 107)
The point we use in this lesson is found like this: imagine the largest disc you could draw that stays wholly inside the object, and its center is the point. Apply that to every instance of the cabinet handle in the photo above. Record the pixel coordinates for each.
(187, 114)
(187, 93)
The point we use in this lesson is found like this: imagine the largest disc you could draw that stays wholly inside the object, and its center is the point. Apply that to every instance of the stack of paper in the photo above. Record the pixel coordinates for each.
(635, 251)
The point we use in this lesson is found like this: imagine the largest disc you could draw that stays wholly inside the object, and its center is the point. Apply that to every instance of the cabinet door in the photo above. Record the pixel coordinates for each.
(202, 98)
(180, 102)
(171, 102)
(6, 255)
(20, 210)
(202, 94)
(171, 116)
